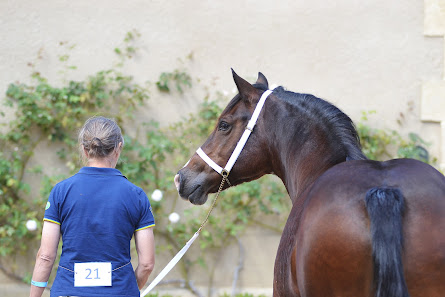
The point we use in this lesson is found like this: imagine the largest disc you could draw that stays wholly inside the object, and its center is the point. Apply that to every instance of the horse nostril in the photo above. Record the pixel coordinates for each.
(177, 181)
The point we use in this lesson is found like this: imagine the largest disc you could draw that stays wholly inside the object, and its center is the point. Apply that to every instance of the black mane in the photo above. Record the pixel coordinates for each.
(338, 123)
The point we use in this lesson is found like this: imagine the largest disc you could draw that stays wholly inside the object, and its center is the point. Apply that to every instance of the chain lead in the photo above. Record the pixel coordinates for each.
(224, 179)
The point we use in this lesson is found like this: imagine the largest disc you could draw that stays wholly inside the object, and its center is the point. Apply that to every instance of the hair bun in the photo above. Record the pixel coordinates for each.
(99, 137)
(96, 142)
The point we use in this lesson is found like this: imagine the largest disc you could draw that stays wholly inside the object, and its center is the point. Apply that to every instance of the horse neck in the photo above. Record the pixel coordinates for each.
(302, 157)
(299, 169)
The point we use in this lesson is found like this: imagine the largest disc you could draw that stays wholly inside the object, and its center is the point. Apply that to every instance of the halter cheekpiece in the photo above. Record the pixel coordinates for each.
(240, 145)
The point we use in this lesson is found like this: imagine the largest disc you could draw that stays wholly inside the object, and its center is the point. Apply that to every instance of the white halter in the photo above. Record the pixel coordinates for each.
(240, 145)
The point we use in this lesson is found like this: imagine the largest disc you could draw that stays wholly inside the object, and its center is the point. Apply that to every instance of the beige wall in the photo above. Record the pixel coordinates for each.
(361, 55)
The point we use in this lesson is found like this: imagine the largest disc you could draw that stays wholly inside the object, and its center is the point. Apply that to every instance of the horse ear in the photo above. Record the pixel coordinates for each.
(262, 80)
(245, 89)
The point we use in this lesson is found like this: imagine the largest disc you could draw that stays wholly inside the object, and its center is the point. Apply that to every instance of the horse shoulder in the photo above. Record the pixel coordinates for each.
(333, 241)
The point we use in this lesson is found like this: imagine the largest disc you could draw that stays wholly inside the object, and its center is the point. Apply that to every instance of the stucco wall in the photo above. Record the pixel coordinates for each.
(377, 55)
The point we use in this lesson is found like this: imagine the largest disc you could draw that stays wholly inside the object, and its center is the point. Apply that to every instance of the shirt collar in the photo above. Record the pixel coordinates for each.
(100, 171)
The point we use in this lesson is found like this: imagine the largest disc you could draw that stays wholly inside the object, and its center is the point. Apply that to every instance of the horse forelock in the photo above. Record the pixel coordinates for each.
(331, 117)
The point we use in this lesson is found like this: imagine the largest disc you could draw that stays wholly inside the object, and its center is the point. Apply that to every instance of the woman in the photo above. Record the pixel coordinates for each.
(96, 211)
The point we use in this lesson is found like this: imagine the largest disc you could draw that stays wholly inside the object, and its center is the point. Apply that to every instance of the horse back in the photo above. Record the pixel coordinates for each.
(333, 240)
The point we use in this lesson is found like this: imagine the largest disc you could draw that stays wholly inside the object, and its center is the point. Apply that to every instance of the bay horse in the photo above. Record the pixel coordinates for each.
(357, 227)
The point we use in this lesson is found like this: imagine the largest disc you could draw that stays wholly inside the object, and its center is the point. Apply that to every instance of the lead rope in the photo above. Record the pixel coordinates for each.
(181, 253)
(224, 178)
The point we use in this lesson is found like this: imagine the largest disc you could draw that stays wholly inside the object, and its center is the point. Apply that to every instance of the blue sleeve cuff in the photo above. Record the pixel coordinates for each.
(142, 228)
(52, 221)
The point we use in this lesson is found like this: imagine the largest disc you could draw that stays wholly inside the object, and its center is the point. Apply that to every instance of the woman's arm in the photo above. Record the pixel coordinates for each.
(45, 256)
(145, 247)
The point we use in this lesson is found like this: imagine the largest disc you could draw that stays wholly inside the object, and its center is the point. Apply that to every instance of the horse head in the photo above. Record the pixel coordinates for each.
(197, 179)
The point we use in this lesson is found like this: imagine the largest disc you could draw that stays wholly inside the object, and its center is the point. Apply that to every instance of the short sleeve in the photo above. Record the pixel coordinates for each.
(52, 208)
(146, 214)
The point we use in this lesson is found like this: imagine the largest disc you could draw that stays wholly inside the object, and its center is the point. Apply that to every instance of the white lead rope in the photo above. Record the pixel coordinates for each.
(181, 253)
(170, 265)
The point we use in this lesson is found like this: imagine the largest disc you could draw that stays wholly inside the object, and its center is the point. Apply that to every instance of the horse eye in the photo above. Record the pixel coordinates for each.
(223, 126)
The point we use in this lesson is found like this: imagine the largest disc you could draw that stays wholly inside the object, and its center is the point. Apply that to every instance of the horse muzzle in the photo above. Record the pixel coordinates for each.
(190, 189)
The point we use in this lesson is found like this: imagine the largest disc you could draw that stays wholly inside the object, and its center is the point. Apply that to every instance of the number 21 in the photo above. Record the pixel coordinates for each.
(97, 273)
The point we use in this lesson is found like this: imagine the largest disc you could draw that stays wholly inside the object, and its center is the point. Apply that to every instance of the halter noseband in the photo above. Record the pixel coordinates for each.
(224, 172)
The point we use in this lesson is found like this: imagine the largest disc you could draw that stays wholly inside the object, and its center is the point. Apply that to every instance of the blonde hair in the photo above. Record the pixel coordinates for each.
(99, 137)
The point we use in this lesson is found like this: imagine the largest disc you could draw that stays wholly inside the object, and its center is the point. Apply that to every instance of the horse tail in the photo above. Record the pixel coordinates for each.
(385, 209)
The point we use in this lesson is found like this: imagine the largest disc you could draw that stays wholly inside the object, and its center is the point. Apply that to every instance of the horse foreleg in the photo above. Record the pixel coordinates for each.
(285, 276)
(285, 271)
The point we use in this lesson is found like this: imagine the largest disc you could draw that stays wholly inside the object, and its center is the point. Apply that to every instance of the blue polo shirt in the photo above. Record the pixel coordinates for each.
(98, 211)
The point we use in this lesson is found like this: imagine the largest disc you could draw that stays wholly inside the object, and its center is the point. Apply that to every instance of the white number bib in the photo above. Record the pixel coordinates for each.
(92, 274)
